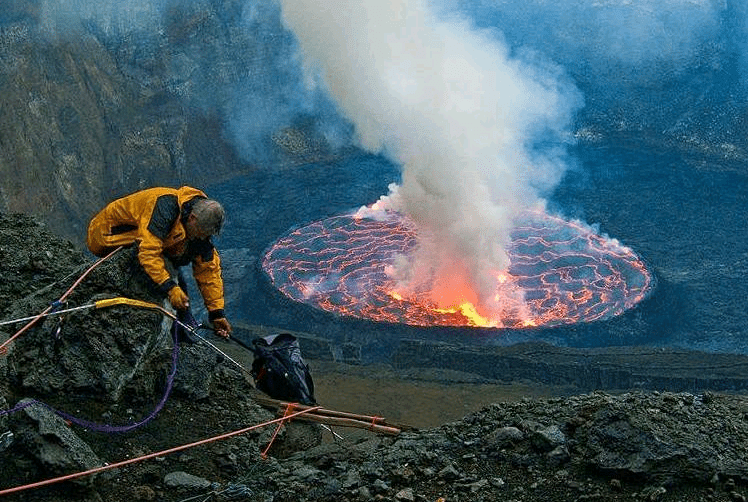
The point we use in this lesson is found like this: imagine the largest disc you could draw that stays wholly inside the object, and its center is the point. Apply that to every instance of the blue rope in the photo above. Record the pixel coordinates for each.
(55, 306)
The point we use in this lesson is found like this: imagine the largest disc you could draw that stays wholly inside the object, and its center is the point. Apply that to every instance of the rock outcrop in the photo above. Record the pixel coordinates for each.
(118, 364)
(80, 131)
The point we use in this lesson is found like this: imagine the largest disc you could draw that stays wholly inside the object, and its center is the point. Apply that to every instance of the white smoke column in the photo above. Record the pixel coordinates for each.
(457, 112)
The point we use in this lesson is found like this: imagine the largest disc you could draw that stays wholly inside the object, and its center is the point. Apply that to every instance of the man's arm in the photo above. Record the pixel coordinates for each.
(206, 268)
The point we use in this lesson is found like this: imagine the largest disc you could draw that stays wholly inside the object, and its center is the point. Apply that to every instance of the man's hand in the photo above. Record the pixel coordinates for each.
(222, 327)
(178, 298)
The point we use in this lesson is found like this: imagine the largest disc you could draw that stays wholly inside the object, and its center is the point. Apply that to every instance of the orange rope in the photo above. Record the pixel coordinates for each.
(88, 271)
(289, 409)
(123, 463)
(4, 346)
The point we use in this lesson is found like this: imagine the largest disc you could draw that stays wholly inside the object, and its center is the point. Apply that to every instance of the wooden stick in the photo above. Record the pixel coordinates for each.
(340, 414)
(363, 421)
(348, 422)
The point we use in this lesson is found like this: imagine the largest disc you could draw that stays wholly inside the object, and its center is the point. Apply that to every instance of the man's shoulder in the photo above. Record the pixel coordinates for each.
(187, 192)
(165, 214)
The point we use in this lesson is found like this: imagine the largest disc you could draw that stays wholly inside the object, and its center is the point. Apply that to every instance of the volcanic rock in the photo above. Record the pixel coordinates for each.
(180, 479)
(97, 352)
(51, 441)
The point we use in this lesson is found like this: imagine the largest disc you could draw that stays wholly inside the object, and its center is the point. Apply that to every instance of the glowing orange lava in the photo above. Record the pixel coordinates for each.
(561, 272)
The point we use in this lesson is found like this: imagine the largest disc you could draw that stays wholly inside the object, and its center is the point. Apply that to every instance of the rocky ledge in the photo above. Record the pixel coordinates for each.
(105, 387)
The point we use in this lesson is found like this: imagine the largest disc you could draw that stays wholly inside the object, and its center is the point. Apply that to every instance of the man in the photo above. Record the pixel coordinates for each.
(175, 224)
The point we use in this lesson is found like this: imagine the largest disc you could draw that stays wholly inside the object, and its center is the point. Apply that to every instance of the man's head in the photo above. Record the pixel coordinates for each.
(205, 219)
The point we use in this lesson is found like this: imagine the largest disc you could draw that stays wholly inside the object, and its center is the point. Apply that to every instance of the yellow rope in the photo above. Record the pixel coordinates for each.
(108, 302)
(121, 300)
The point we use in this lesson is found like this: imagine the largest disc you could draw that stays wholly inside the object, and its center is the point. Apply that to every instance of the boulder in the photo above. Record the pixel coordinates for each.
(96, 352)
(49, 439)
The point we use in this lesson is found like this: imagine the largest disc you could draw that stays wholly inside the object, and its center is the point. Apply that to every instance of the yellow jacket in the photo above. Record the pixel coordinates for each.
(153, 218)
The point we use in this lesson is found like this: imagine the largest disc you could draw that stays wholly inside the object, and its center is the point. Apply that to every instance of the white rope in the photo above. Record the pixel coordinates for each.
(56, 312)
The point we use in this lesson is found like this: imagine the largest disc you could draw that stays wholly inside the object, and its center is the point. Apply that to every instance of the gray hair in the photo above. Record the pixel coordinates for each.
(209, 215)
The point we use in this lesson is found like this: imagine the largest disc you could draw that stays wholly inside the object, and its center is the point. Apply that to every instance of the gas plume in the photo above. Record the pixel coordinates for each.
(479, 132)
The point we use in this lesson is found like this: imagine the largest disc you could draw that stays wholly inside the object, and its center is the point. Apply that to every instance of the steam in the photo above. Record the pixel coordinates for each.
(478, 131)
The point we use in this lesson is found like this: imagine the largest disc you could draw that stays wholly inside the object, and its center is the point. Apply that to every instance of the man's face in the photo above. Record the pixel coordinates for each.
(193, 229)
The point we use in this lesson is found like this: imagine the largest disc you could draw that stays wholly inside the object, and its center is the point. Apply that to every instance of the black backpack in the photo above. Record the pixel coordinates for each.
(280, 371)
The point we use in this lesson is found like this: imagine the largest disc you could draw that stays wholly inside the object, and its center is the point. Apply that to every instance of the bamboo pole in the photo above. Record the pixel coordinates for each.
(349, 422)
(342, 414)
(331, 417)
